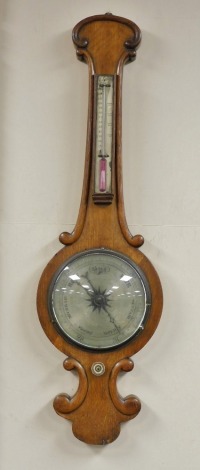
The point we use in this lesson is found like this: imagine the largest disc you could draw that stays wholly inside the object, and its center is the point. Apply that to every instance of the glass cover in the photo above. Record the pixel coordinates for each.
(99, 299)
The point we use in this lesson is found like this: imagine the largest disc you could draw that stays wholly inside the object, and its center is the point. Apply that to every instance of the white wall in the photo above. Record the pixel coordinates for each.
(43, 111)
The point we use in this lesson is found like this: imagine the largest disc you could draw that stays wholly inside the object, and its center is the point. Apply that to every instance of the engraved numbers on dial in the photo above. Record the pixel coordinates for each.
(99, 299)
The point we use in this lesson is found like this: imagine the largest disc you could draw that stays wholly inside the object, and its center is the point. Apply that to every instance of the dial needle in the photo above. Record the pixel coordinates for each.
(98, 299)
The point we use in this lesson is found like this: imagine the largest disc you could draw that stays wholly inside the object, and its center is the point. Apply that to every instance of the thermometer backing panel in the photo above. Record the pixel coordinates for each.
(103, 133)
(99, 298)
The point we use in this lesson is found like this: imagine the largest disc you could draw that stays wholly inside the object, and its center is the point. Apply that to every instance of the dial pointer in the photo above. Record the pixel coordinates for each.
(85, 327)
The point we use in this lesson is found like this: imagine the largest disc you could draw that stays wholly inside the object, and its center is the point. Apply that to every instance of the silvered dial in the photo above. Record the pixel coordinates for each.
(99, 299)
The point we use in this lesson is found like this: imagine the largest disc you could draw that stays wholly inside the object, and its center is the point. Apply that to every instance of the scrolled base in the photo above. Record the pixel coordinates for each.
(97, 409)
(63, 403)
(129, 405)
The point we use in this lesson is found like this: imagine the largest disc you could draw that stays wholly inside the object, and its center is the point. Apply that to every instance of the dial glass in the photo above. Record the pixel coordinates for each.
(99, 299)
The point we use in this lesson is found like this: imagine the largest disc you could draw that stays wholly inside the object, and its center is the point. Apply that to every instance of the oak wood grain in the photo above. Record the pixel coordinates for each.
(105, 43)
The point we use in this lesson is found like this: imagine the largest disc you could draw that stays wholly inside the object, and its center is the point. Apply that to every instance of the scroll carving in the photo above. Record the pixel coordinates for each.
(131, 43)
(134, 240)
(67, 238)
(96, 410)
(82, 44)
(63, 403)
(129, 405)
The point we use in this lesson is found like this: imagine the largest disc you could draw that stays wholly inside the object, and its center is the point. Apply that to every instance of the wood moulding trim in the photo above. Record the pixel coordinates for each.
(75, 407)
(129, 405)
(128, 55)
(63, 403)
(97, 409)
(131, 43)
(67, 238)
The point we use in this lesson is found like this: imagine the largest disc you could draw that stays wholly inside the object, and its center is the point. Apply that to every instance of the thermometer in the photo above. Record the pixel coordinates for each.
(103, 136)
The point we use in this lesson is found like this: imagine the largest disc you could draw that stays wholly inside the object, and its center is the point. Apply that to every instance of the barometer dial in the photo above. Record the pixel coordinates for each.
(99, 299)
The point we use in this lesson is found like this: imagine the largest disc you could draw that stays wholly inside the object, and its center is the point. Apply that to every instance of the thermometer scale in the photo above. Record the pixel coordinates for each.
(99, 298)
(103, 133)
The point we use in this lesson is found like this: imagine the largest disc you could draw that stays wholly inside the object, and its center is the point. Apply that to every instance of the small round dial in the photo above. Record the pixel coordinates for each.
(99, 299)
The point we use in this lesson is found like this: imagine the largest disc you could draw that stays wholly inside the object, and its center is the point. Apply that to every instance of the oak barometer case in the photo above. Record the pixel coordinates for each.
(100, 299)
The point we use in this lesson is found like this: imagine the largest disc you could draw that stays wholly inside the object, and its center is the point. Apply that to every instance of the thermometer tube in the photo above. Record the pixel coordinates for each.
(102, 175)
(103, 133)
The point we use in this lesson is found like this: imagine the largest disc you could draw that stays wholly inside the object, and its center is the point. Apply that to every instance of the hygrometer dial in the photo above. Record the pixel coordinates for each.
(99, 299)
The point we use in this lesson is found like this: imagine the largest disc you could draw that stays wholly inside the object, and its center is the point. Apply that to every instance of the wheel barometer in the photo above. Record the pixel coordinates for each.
(100, 299)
